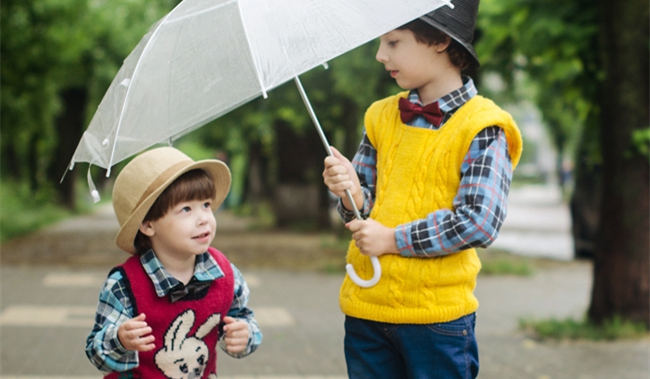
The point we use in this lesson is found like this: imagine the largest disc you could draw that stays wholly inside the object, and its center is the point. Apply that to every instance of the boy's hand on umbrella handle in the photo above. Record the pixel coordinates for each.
(135, 334)
(372, 238)
(339, 175)
(236, 334)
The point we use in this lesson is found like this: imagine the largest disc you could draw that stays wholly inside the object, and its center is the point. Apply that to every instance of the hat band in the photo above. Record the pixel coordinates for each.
(161, 179)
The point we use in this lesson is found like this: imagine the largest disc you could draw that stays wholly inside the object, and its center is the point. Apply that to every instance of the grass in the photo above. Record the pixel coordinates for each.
(494, 262)
(497, 262)
(261, 215)
(571, 329)
(22, 212)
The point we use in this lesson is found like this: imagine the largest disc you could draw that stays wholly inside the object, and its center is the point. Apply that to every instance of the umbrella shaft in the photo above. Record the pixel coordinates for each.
(323, 138)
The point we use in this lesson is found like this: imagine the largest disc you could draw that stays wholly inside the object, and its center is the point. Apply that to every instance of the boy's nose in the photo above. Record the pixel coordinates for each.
(381, 56)
(202, 219)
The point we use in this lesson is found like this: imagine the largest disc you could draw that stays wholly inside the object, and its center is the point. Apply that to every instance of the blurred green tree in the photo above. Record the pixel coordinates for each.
(58, 59)
(589, 64)
(274, 139)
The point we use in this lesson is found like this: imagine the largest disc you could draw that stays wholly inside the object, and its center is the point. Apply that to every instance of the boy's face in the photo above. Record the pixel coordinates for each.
(187, 229)
(412, 64)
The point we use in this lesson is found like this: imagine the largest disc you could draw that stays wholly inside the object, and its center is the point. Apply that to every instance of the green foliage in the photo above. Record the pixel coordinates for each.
(549, 45)
(339, 96)
(22, 211)
(569, 328)
(37, 43)
(641, 141)
(49, 46)
(496, 262)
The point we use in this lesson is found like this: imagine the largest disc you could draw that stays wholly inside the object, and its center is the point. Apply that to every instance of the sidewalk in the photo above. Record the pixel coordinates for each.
(46, 310)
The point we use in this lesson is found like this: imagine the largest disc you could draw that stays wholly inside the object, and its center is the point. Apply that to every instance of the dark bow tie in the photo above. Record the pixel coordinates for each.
(180, 291)
(431, 112)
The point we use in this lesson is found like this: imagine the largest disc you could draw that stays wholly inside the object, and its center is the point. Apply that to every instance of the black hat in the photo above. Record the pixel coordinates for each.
(458, 22)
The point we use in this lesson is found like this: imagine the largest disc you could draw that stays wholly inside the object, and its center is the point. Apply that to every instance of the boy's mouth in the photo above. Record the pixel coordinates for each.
(393, 73)
(203, 235)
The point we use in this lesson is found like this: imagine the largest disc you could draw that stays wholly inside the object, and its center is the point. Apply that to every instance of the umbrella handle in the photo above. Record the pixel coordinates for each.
(374, 260)
(365, 283)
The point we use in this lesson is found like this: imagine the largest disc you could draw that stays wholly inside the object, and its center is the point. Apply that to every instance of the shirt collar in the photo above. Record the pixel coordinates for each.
(205, 269)
(453, 99)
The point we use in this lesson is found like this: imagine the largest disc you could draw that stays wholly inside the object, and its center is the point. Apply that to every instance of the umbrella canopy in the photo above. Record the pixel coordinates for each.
(208, 57)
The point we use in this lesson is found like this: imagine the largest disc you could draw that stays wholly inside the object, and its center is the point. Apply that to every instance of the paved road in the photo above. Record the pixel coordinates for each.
(46, 312)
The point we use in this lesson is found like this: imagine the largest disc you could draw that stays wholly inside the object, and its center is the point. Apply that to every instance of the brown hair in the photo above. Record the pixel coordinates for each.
(192, 185)
(425, 33)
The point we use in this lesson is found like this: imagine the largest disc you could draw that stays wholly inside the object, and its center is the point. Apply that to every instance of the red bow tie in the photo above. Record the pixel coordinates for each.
(431, 112)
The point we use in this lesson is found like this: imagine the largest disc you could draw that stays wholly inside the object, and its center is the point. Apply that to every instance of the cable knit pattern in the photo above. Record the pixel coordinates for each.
(418, 172)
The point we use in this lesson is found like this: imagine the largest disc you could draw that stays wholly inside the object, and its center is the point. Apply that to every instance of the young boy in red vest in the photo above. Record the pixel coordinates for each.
(162, 313)
(430, 178)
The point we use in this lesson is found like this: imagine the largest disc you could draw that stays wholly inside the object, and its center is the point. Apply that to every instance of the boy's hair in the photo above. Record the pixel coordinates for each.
(192, 185)
(425, 33)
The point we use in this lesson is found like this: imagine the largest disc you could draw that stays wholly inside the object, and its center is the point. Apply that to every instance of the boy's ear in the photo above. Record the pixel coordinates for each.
(442, 46)
(147, 229)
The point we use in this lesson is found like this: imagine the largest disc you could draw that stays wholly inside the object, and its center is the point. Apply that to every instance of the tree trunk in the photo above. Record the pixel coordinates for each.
(300, 163)
(621, 264)
(69, 126)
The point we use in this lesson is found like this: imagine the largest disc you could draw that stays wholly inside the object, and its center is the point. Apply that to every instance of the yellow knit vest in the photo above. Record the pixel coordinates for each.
(418, 172)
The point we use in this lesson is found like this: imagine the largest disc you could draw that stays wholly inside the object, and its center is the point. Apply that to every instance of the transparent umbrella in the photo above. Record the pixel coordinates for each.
(208, 57)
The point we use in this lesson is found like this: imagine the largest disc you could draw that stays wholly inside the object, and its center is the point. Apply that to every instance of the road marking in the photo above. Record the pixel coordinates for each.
(253, 281)
(77, 316)
(36, 315)
(87, 280)
(273, 316)
(220, 377)
(75, 280)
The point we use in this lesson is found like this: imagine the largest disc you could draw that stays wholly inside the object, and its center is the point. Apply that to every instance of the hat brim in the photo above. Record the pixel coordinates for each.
(219, 173)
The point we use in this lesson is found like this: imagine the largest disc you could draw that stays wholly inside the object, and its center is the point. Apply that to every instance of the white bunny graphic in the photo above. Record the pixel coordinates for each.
(184, 356)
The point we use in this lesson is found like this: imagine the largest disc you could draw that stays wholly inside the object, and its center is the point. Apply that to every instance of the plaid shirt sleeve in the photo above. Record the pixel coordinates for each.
(479, 208)
(239, 309)
(365, 164)
(103, 348)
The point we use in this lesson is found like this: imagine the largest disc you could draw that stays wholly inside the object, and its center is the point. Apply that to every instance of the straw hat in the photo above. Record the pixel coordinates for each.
(458, 23)
(144, 178)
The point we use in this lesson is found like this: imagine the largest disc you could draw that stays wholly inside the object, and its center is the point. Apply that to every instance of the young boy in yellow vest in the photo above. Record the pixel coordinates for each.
(162, 313)
(430, 178)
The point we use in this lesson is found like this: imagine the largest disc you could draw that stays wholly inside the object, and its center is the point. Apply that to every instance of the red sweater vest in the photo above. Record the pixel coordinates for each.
(186, 331)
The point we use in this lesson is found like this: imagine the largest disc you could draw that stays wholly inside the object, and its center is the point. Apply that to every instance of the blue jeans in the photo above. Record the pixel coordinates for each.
(375, 350)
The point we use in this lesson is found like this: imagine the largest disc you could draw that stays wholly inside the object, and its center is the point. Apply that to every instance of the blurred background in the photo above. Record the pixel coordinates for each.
(574, 75)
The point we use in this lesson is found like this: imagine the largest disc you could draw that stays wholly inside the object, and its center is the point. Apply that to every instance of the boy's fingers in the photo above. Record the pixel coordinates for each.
(145, 340)
(353, 225)
(238, 331)
(145, 344)
(331, 161)
(133, 328)
(144, 331)
(228, 321)
(233, 341)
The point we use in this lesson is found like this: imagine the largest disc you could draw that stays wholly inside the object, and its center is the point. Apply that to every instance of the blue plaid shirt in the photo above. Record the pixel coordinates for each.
(480, 206)
(104, 349)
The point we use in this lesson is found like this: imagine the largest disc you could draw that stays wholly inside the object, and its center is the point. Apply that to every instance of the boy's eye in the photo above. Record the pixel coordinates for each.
(392, 43)
(207, 204)
(186, 209)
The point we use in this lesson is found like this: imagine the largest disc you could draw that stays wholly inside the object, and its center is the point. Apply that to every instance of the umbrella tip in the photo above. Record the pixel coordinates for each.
(95, 195)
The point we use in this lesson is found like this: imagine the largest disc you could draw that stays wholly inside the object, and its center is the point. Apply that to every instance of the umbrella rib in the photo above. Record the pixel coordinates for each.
(250, 49)
(200, 12)
(128, 90)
